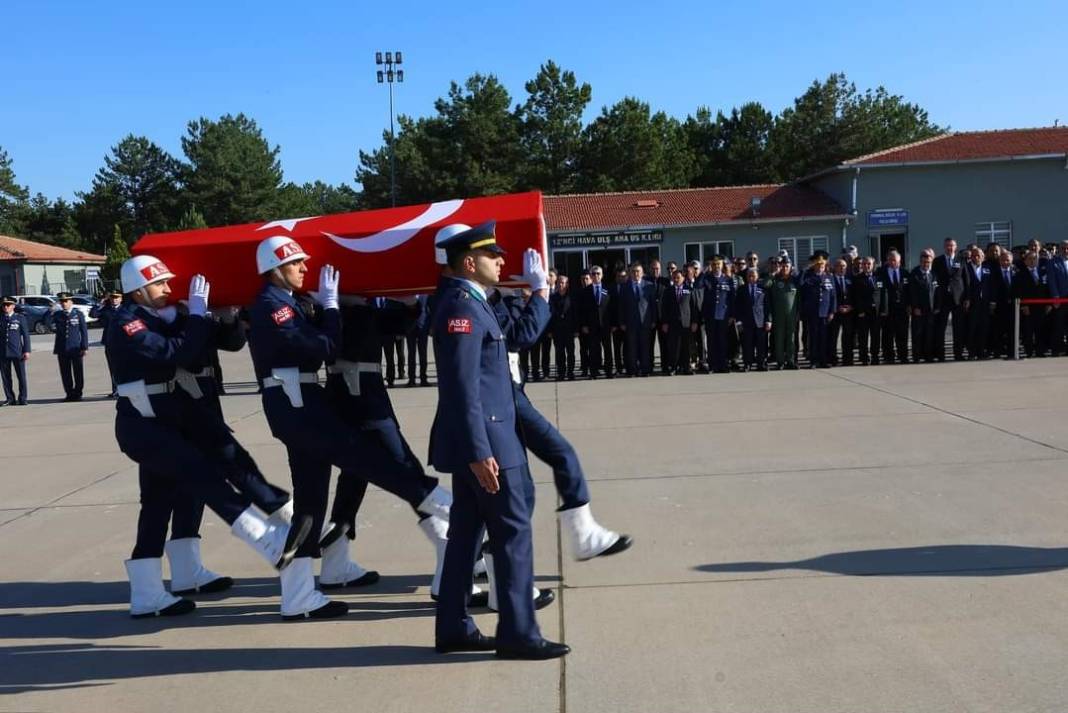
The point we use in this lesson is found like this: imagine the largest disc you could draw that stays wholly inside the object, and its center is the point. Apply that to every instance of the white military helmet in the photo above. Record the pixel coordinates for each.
(444, 234)
(142, 270)
(277, 251)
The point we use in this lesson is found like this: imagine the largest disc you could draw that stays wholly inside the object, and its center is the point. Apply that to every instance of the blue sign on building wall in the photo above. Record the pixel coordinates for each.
(881, 218)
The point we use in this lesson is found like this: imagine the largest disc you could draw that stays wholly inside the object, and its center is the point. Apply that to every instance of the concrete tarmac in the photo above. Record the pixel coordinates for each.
(887, 538)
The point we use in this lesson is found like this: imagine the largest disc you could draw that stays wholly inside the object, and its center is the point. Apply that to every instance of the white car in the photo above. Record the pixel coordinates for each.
(82, 303)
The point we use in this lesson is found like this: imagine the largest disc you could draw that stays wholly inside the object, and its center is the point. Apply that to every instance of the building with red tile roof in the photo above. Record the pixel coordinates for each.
(28, 267)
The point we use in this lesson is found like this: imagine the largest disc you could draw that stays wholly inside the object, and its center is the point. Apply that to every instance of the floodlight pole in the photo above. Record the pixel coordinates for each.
(388, 76)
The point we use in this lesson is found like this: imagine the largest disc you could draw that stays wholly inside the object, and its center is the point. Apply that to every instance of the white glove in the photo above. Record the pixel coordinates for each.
(198, 295)
(328, 281)
(533, 272)
(168, 314)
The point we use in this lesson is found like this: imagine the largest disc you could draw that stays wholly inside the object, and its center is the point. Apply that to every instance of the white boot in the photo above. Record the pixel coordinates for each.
(188, 573)
(437, 531)
(437, 503)
(147, 595)
(337, 570)
(268, 538)
(586, 538)
(492, 600)
(283, 515)
(300, 598)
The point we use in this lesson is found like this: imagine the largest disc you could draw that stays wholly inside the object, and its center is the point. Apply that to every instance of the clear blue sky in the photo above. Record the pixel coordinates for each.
(77, 76)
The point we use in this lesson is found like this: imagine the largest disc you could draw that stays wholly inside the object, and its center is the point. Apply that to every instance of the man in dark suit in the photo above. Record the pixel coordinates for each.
(947, 270)
(866, 298)
(595, 316)
(844, 320)
(542, 349)
(1004, 284)
(1057, 278)
(977, 287)
(584, 348)
(678, 322)
(894, 311)
(637, 320)
(662, 284)
(1032, 285)
(417, 336)
(618, 337)
(753, 312)
(562, 326)
(925, 300)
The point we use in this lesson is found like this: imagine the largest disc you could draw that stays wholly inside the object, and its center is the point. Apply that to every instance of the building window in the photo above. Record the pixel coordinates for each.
(802, 248)
(704, 251)
(999, 232)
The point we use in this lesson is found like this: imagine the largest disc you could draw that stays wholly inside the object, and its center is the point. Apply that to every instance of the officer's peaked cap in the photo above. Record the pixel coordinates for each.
(480, 237)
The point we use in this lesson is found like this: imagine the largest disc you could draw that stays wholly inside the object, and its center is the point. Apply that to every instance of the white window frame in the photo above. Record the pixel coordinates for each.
(717, 248)
(816, 242)
(990, 231)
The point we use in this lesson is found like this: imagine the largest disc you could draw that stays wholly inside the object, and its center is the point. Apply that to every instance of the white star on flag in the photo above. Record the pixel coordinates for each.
(288, 223)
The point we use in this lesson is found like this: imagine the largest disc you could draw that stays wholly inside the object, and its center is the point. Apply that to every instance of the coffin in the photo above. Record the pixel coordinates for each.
(378, 252)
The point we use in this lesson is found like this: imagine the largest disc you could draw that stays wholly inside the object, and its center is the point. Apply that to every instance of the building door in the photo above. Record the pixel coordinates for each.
(610, 259)
(645, 255)
(883, 243)
(570, 263)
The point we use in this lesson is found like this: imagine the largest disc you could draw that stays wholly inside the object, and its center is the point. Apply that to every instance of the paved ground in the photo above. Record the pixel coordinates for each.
(879, 539)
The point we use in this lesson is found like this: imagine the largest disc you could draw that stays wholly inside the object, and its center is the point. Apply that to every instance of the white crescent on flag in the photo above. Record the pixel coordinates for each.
(398, 234)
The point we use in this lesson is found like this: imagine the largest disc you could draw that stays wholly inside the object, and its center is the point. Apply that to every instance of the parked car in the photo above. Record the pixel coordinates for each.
(38, 319)
(85, 303)
(38, 301)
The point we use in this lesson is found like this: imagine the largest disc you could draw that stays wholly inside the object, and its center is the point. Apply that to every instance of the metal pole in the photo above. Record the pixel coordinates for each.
(392, 151)
(1016, 330)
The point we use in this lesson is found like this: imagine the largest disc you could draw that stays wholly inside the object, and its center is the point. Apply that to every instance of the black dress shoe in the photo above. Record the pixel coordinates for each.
(330, 610)
(623, 543)
(545, 598)
(539, 651)
(478, 599)
(182, 606)
(7, 403)
(369, 577)
(219, 584)
(478, 642)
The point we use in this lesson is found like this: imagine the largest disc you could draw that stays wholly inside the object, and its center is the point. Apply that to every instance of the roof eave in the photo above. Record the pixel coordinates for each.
(707, 224)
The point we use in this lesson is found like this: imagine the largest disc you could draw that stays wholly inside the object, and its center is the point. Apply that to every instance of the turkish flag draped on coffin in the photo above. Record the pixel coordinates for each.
(378, 252)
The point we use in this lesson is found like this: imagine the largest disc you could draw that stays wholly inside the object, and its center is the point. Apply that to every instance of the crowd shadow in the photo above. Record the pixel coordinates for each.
(57, 666)
(933, 560)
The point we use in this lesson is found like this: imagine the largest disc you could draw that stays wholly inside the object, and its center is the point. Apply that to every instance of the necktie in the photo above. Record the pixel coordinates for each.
(678, 293)
(1034, 274)
(1007, 278)
(752, 293)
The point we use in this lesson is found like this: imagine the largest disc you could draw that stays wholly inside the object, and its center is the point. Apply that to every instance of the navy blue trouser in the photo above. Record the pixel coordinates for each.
(816, 334)
(551, 448)
(71, 373)
(316, 439)
(163, 501)
(506, 515)
(716, 334)
(173, 462)
(5, 375)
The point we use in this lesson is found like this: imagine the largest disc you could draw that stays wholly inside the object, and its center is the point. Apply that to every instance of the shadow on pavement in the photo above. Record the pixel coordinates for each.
(112, 623)
(934, 560)
(36, 668)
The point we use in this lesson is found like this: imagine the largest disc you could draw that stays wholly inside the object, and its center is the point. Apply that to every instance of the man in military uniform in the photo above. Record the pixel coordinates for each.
(417, 336)
(103, 313)
(15, 352)
(171, 436)
(718, 314)
(72, 342)
(287, 352)
(817, 309)
(476, 437)
(785, 307)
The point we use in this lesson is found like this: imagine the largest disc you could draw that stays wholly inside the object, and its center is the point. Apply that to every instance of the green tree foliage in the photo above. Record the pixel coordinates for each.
(13, 198)
(628, 149)
(117, 254)
(831, 122)
(233, 175)
(551, 129)
(52, 222)
(191, 220)
(139, 181)
(316, 198)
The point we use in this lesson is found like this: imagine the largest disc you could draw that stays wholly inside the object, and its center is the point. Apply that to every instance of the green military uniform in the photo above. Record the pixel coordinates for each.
(785, 302)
